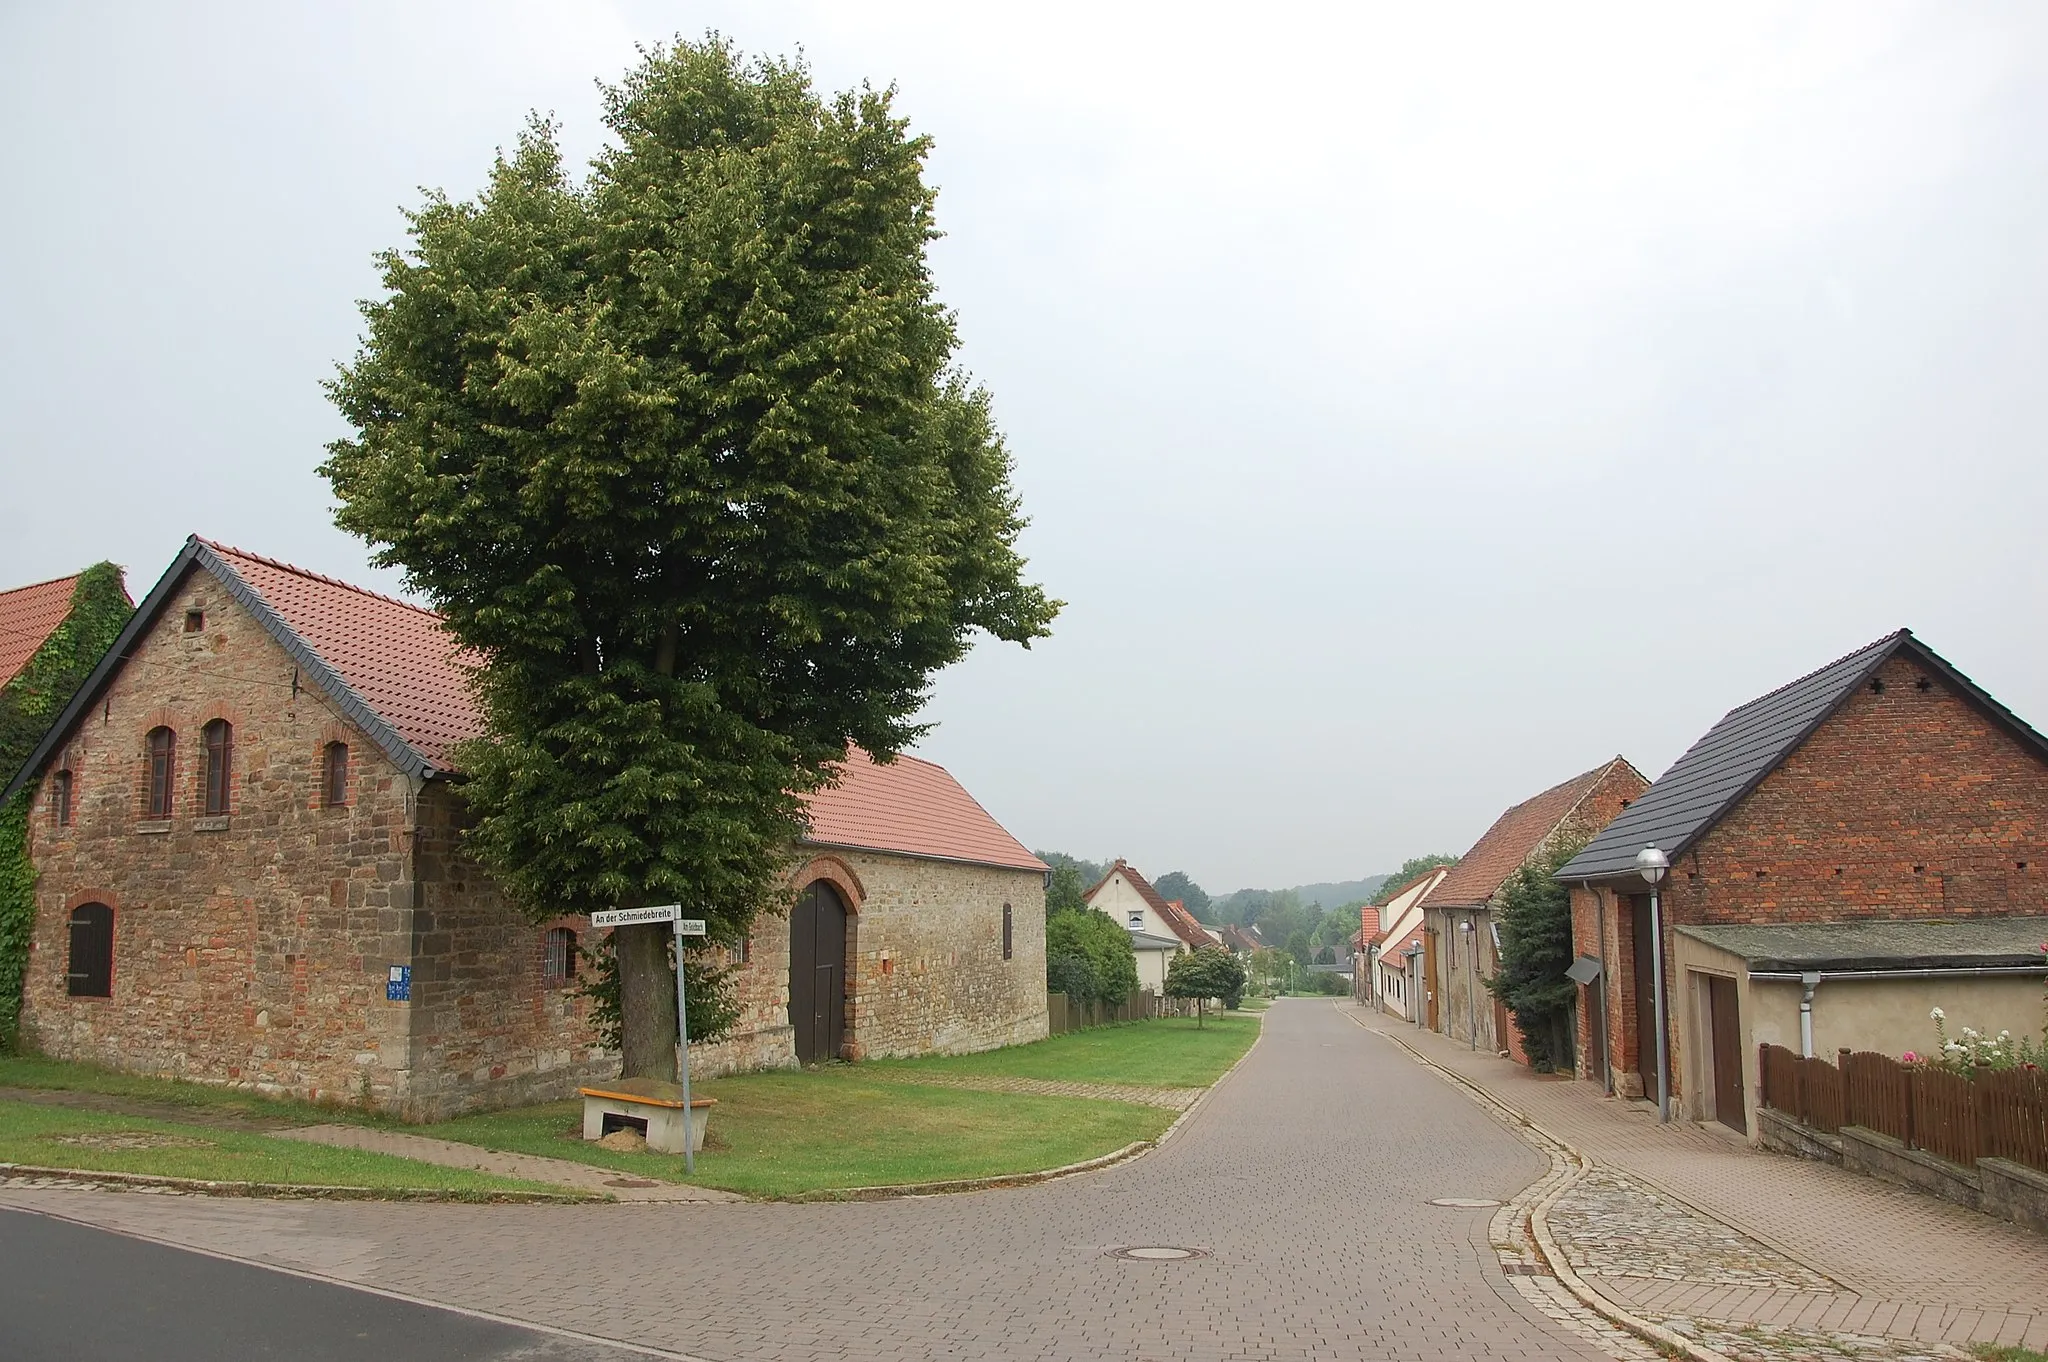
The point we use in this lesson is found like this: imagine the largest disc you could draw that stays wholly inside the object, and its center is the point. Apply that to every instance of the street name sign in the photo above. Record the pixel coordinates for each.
(633, 917)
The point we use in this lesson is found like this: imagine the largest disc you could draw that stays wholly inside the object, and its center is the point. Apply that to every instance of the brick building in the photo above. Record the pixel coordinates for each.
(257, 877)
(1855, 847)
(1461, 932)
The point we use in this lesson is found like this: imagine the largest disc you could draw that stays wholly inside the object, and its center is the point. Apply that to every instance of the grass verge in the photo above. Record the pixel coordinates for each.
(787, 1133)
(1166, 1052)
(171, 1096)
(107, 1142)
(1992, 1352)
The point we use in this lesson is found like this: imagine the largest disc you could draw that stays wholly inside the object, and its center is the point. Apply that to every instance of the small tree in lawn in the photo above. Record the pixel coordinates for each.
(681, 454)
(1211, 972)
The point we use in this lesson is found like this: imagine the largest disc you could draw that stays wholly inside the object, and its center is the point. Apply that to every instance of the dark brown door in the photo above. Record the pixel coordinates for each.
(1429, 977)
(817, 973)
(1727, 1023)
(1644, 963)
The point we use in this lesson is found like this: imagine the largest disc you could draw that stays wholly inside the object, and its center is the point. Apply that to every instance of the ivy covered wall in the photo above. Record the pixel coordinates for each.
(29, 704)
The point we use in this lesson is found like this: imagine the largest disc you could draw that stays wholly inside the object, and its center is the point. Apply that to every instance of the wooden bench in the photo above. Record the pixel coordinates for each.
(650, 1106)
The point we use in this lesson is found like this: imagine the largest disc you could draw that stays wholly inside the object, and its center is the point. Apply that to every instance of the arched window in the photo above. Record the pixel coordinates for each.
(60, 798)
(219, 737)
(90, 971)
(558, 960)
(163, 747)
(334, 775)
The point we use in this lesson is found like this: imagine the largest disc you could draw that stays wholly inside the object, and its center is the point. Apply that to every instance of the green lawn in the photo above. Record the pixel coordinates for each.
(1166, 1052)
(108, 1142)
(786, 1133)
(204, 1100)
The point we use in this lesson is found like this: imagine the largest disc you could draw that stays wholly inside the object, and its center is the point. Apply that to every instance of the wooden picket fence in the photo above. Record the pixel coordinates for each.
(1063, 1015)
(2000, 1114)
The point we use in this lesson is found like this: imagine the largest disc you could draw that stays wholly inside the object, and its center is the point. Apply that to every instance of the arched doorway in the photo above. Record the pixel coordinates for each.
(817, 972)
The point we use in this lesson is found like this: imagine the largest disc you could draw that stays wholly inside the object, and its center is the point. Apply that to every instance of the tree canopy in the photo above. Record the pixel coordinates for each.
(1175, 884)
(1410, 868)
(680, 451)
(1089, 957)
(1535, 952)
(1210, 972)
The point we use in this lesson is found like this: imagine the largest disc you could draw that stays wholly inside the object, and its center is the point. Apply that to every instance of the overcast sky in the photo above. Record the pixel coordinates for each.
(1415, 406)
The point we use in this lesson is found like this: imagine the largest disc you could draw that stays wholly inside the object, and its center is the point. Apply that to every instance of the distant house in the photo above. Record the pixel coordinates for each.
(1241, 940)
(1399, 983)
(1129, 898)
(1869, 841)
(1461, 932)
(250, 870)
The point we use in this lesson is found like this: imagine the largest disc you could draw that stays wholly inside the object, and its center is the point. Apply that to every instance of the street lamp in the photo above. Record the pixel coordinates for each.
(1653, 865)
(1471, 980)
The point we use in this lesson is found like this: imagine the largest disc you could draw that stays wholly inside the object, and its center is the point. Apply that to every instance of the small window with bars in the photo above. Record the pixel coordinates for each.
(740, 954)
(334, 775)
(60, 799)
(558, 956)
(1006, 931)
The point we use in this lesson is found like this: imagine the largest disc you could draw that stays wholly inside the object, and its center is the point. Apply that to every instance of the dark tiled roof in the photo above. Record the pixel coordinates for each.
(1950, 943)
(1748, 744)
(1514, 836)
(27, 615)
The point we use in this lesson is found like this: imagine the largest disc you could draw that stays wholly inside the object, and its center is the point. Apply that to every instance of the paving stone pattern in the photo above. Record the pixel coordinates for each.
(1298, 1177)
(1773, 1343)
(1612, 1225)
(1909, 1268)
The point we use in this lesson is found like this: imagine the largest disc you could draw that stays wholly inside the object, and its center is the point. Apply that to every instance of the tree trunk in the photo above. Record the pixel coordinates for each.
(1199, 1002)
(647, 1001)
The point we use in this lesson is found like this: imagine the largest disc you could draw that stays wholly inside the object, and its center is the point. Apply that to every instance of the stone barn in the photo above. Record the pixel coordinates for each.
(256, 876)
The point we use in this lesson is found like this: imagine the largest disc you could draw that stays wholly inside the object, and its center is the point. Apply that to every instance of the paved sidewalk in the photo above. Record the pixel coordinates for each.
(1885, 1261)
(582, 1177)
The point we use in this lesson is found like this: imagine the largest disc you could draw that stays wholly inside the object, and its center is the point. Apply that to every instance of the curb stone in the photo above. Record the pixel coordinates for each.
(88, 1179)
(1568, 1168)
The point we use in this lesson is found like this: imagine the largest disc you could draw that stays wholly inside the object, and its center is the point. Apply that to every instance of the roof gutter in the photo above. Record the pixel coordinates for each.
(1778, 976)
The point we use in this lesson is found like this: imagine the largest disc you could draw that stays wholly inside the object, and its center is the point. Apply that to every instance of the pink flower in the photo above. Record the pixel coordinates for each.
(1910, 1058)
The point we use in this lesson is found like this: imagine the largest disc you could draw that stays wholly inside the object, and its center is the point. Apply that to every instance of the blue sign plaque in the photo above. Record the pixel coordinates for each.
(398, 984)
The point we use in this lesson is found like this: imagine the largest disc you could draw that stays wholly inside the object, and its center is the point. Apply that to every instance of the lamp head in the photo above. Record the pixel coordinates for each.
(1652, 864)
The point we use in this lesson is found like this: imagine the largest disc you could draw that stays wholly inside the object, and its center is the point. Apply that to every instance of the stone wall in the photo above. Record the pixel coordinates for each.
(925, 965)
(488, 1029)
(249, 949)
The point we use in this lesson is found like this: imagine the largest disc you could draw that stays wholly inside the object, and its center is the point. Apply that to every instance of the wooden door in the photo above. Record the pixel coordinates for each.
(1643, 967)
(1726, 1021)
(817, 973)
(1429, 978)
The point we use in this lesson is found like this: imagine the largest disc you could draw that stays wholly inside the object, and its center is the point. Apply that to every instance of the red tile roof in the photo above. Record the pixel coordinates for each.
(397, 657)
(27, 615)
(913, 807)
(1177, 917)
(401, 661)
(1480, 873)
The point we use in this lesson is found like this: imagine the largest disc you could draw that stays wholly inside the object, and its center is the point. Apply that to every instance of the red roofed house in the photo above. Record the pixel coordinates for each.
(259, 878)
(1396, 981)
(27, 616)
(1129, 898)
(1461, 943)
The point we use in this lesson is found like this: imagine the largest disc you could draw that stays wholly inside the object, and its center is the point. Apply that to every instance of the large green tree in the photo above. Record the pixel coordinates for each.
(1175, 884)
(1410, 868)
(1535, 951)
(680, 450)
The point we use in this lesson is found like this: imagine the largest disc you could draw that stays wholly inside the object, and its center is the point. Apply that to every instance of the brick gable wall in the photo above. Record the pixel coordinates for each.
(1907, 803)
(249, 949)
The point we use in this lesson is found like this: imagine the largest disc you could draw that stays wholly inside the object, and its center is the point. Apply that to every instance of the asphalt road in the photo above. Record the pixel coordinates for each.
(70, 1293)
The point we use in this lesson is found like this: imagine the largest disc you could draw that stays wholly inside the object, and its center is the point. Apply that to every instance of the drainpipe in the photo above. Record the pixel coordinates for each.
(1811, 981)
(1606, 999)
(1469, 926)
(1663, 1036)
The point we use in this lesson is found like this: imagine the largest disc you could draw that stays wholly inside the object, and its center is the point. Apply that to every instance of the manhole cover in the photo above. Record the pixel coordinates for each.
(1463, 1202)
(1156, 1253)
(1526, 1270)
(631, 1182)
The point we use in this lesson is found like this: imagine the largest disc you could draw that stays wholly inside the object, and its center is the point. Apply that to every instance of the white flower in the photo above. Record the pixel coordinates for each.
(2005, 1035)
(1953, 1045)
(1970, 1031)
(1937, 1015)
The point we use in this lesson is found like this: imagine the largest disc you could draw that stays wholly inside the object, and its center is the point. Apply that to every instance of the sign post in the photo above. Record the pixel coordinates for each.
(684, 927)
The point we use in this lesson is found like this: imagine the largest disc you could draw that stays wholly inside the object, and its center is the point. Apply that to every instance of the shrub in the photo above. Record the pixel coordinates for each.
(1089, 958)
